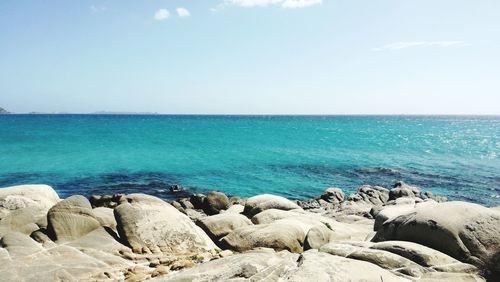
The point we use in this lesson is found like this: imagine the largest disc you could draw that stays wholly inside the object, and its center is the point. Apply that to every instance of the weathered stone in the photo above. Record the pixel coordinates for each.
(218, 226)
(465, 231)
(149, 224)
(333, 195)
(71, 218)
(255, 265)
(257, 204)
(276, 236)
(215, 202)
(320, 235)
(24, 208)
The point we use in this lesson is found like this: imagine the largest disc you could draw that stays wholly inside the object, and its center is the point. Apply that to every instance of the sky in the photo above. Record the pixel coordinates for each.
(251, 56)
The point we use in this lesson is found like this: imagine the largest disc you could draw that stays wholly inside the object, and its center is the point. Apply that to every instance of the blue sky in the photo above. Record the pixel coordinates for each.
(251, 56)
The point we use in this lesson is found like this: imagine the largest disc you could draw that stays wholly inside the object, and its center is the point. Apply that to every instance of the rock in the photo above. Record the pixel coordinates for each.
(333, 195)
(105, 216)
(197, 200)
(400, 192)
(465, 231)
(320, 266)
(215, 202)
(107, 201)
(384, 259)
(420, 254)
(306, 220)
(320, 235)
(276, 236)
(373, 195)
(149, 224)
(255, 265)
(71, 219)
(451, 277)
(218, 226)
(24, 208)
(259, 203)
(27, 260)
(236, 208)
(388, 212)
(175, 188)
(186, 204)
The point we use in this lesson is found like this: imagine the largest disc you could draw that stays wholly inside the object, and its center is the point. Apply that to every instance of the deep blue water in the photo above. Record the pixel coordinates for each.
(293, 156)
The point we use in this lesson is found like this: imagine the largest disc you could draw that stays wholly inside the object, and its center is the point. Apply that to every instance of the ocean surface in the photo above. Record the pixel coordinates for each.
(293, 156)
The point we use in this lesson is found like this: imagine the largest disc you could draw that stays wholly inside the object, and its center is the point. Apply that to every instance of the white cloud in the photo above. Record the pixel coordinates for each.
(161, 14)
(265, 3)
(98, 9)
(183, 12)
(411, 44)
(300, 3)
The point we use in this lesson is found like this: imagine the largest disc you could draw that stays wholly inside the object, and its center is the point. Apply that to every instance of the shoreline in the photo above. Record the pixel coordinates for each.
(396, 234)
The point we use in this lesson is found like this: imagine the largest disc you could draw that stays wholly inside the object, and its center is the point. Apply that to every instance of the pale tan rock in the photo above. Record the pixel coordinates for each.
(465, 231)
(259, 203)
(24, 208)
(71, 219)
(218, 226)
(276, 236)
(149, 224)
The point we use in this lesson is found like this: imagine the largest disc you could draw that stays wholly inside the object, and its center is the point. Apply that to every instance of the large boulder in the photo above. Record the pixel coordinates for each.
(148, 224)
(333, 195)
(214, 202)
(259, 203)
(320, 235)
(420, 254)
(465, 231)
(372, 195)
(24, 208)
(218, 226)
(71, 219)
(277, 236)
(255, 265)
(23, 259)
(307, 220)
(320, 266)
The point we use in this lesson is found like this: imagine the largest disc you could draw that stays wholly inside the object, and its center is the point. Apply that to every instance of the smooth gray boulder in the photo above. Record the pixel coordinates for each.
(105, 216)
(277, 236)
(214, 202)
(465, 231)
(259, 203)
(320, 235)
(420, 254)
(255, 265)
(218, 226)
(24, 208)
(150, 225)
(320, 266)
(333, 195)
(71, 219)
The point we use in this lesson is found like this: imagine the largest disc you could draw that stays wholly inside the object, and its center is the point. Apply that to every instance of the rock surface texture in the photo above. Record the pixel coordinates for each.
(375, 234)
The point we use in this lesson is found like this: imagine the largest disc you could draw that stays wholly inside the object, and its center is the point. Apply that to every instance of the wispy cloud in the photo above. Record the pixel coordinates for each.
(183, 12)
(98, 9)
(288, 4)
(161, 15)
(413, 44)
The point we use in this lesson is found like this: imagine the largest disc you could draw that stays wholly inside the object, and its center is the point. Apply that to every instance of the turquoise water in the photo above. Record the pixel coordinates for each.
(293, 156)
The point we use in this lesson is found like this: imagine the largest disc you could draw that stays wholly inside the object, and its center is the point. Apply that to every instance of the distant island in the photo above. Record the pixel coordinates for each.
(3, 111)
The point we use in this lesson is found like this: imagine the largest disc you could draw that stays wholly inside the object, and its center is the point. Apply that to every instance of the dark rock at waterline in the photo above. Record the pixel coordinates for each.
(176, 188)
(106, 201)
(333, 195)
(214, 202)
(197, 200)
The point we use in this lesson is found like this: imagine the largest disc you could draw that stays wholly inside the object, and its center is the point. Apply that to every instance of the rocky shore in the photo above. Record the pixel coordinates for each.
(375, 234)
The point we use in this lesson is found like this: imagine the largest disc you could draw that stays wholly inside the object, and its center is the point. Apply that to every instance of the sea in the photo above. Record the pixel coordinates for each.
(293, 156)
